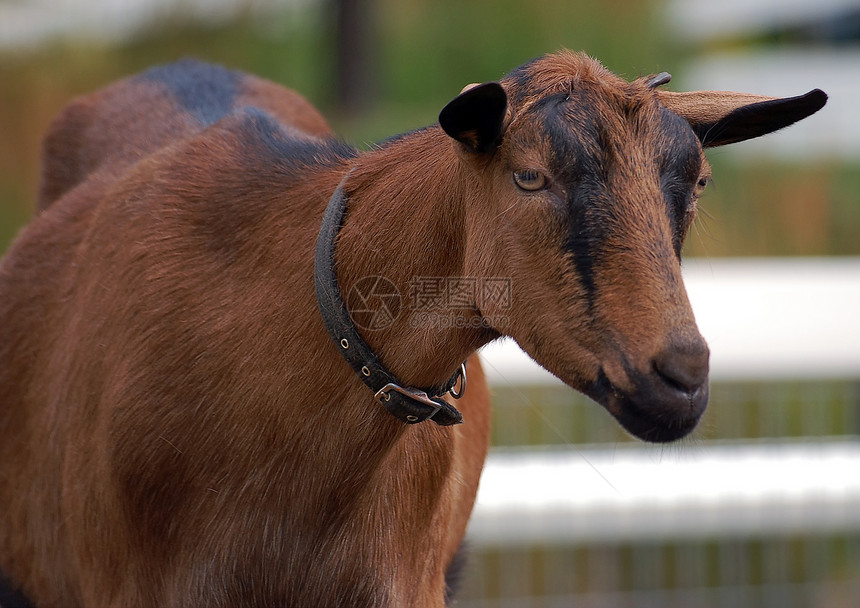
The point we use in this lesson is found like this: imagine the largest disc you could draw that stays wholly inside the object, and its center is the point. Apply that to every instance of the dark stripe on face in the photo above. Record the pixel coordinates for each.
(586, 152)
(680, 165)
(582, 243)
(577, 164)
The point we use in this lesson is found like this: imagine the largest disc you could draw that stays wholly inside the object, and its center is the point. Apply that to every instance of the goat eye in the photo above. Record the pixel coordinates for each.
(530, 179)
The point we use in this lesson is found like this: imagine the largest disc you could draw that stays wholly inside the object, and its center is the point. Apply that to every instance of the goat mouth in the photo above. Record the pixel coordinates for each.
(653, 410)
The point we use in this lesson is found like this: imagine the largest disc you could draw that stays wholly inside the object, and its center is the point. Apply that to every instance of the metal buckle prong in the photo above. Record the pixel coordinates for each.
(383, 396)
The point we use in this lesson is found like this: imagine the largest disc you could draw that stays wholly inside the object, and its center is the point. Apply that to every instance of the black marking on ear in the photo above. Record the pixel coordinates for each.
(476, 118)
(757, 119)
(207, 92)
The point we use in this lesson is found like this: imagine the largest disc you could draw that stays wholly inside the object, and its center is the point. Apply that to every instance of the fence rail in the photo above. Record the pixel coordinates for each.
(637, 493)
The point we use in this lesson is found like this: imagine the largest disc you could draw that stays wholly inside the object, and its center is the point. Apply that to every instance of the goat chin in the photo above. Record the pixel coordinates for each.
(661, 415)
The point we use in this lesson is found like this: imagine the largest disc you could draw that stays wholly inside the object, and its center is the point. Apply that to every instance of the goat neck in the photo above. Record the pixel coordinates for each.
(405, 224)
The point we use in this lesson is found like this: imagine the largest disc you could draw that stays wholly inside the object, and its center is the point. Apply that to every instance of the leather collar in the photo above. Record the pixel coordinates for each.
(408, 404)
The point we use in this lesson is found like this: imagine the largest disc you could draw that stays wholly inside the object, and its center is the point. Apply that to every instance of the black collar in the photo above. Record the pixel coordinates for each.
(410, 405)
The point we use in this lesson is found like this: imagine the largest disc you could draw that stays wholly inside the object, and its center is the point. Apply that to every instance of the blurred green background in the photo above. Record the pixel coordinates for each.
(419, 54)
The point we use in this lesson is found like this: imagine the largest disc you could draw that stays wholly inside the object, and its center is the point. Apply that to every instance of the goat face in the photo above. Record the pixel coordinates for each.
(584, 187)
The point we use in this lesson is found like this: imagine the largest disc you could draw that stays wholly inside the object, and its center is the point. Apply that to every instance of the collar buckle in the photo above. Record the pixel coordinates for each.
(383, 395)
(409, 405)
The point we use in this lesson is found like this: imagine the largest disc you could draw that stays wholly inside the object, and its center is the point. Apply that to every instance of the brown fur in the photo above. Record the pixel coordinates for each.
(179, 430)
(107, 137)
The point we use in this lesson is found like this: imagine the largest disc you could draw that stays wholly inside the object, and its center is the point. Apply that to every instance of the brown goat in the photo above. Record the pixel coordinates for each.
(178, 428)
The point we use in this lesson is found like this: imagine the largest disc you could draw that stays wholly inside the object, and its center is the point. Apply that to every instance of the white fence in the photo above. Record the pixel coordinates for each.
(636, 494)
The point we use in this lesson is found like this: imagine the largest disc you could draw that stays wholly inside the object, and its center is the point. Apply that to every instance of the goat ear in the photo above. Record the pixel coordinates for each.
(476, 116)
(719, 118)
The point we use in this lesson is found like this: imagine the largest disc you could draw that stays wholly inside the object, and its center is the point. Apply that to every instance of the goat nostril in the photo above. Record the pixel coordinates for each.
(684, 368)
